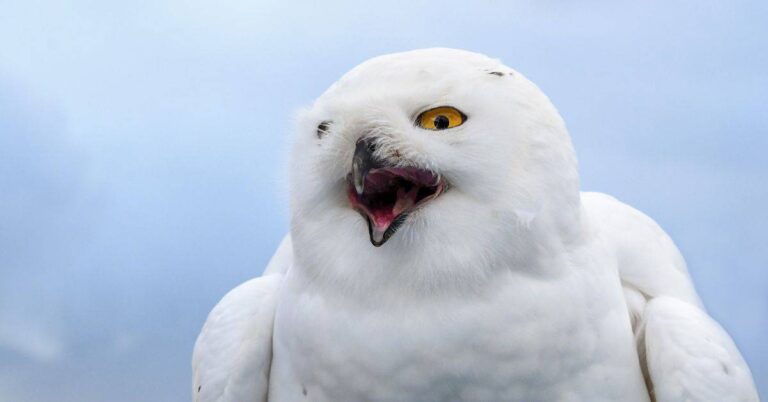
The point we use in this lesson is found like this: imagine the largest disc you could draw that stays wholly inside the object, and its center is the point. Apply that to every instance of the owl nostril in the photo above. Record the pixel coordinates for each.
(366, 143)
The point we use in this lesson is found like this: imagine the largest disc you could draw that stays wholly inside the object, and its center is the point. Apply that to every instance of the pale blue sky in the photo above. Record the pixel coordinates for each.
(143, 149)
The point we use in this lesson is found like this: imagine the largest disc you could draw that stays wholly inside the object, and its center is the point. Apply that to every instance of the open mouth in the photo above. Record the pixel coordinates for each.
(385, 195)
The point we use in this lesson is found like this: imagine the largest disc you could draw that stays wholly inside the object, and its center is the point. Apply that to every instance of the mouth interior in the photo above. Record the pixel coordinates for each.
(389, 194)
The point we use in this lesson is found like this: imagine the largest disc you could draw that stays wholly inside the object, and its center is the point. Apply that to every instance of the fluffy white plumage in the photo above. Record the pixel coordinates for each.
(510, 285)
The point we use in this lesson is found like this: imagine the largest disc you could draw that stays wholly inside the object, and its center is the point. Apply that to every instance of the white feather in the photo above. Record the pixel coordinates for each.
(232, 355)
(512, 285)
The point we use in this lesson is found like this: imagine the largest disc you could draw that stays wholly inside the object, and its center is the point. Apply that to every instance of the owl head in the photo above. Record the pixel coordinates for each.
(430, 168)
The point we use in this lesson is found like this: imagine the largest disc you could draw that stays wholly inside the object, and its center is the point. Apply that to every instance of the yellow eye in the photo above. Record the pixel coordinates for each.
(440, 118)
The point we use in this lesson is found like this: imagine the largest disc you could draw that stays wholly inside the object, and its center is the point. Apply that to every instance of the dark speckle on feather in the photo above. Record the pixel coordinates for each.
(322, 129)
(499, 73)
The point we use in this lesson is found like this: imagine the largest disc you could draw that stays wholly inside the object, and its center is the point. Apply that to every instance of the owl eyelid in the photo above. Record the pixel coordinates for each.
(430, 108)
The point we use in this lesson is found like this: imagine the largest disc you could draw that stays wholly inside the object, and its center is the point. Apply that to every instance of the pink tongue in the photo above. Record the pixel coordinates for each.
(382, 218)
(405, 200)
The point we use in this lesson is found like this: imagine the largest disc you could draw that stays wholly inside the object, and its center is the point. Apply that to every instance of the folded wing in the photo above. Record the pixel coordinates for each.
(233, 353)
(690, 357)
(685, 355)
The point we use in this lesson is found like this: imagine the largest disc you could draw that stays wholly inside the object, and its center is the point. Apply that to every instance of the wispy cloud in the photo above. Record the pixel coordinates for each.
(31, 340)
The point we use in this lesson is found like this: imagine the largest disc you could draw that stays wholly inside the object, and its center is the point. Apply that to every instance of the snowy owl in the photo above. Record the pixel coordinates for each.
(440, 250)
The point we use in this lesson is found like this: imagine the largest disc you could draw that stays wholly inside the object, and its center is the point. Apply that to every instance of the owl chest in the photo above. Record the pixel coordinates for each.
(508, 347)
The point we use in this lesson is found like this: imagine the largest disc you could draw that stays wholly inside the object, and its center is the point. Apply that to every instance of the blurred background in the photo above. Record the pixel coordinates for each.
(143, 150)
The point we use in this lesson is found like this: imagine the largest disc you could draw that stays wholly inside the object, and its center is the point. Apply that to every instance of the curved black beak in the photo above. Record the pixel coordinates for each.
(362, 163)
(384, 194)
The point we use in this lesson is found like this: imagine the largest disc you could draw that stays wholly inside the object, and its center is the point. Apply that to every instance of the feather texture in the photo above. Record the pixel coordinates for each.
(509, 285)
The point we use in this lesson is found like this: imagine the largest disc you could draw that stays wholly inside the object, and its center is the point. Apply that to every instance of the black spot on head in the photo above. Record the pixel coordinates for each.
(498, 73)
(725, 368)
(304, 390)
(322, 128)
(199, 387)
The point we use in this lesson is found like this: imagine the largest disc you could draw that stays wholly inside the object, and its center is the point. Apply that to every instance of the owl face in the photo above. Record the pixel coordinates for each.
(428, 157)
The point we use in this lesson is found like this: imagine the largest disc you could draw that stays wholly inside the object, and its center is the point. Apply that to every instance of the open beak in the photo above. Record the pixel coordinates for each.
(385, 194)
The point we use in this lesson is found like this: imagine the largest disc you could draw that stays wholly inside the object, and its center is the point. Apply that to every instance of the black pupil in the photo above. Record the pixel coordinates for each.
(442, 122)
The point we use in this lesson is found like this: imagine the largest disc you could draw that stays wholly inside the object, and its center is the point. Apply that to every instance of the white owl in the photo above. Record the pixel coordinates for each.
(440, 250)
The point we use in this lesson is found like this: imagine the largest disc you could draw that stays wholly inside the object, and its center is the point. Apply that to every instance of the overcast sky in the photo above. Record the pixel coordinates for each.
(143, 149)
